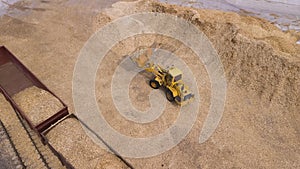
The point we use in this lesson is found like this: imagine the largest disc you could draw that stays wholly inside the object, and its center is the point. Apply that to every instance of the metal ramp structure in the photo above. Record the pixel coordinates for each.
(15, 77)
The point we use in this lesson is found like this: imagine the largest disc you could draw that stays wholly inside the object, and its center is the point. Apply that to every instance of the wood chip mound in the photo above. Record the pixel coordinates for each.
(37, 104)
(110, 161)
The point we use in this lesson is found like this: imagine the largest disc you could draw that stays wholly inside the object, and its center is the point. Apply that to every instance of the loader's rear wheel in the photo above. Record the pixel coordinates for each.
(154, 84)
(169, 95)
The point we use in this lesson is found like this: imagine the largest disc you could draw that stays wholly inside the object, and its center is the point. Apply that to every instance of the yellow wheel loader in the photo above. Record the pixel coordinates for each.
(170, 79)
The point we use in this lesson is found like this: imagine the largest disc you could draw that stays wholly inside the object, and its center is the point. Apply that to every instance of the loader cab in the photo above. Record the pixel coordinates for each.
(185, 94)
(174, 75)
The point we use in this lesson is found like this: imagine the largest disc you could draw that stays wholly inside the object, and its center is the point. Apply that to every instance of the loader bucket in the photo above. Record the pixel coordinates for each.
(141, 56)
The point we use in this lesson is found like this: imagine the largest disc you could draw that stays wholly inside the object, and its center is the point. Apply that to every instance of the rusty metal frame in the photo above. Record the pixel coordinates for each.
(6, 57)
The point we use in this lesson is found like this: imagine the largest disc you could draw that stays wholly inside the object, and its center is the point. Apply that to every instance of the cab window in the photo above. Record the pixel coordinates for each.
(169, 78)
(177, 78)
(188, 96)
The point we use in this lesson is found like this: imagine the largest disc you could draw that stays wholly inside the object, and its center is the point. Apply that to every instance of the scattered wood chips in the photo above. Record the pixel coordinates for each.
(37, 104)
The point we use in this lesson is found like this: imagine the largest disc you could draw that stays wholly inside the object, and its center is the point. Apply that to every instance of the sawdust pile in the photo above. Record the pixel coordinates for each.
(109, 161)
(256, 55)
(37, 104)
(260, 124)
(262, 68)
(71, 140)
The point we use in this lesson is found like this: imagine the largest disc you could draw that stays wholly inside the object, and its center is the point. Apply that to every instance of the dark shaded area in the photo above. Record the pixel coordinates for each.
(9, 158)
(6, 161)
(104, 142)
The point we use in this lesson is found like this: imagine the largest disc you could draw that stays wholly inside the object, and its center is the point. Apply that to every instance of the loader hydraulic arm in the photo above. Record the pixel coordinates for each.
(155, 69)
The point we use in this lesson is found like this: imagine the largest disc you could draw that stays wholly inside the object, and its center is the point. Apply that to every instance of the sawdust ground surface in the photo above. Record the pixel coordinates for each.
(260, 125)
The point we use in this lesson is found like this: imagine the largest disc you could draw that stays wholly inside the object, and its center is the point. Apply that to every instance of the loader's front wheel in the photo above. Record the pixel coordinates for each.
(169, 95)
(154, 84)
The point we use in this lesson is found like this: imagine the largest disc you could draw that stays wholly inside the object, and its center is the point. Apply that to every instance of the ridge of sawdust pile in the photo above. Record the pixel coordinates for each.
(249, 26)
